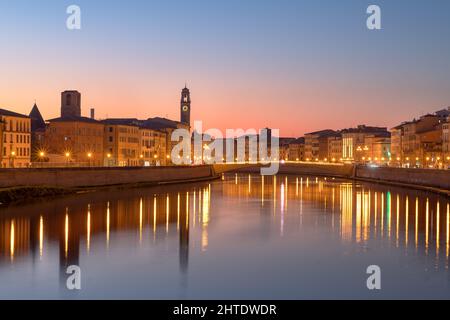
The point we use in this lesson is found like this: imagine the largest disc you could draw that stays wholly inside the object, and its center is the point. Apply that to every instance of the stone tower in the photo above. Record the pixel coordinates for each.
(70, 104)
(185, 108)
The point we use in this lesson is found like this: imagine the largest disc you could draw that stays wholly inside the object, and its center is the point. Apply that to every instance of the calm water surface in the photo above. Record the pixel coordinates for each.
(244, 236)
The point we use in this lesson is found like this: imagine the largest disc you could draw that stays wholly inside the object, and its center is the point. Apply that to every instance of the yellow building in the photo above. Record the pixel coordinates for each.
(168, 127)
(297, 150)
(356, 143)
(153, 147)
(122, 143)
(316, 145)
(15, 136)
(76, 141)
(446, 143)
(421, 142)
(335, 148)
(377, 150)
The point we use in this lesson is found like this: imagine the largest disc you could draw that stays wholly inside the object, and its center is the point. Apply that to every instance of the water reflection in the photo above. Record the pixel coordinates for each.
(366, 211)
(72, 224)
(418, 223)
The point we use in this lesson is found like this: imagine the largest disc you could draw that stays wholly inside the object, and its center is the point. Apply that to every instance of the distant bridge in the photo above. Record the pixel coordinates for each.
(307, 168)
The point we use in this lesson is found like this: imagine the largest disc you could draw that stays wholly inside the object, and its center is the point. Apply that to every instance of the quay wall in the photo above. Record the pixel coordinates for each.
(95, 177)
(428, 179)
(432, 178)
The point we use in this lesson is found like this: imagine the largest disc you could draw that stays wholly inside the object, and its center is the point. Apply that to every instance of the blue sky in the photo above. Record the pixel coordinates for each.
(289, 64)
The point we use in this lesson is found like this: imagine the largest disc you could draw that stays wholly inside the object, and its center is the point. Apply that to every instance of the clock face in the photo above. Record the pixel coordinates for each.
(185, 108)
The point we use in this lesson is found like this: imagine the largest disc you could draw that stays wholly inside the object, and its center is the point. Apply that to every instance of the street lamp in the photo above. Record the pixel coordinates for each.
(13, 155)
(89, 155)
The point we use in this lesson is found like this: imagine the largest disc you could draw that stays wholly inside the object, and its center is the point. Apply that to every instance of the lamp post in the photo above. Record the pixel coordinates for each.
(11, 158)
(89, 155)
(67, 157)
(41, 156)
(108, 156)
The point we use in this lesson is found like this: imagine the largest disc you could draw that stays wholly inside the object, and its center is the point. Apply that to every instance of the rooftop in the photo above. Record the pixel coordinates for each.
(75, 119)
(4, 112)
(322, 133)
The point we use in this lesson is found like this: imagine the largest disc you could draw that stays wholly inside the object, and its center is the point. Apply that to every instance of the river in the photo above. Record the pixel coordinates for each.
(241, 237)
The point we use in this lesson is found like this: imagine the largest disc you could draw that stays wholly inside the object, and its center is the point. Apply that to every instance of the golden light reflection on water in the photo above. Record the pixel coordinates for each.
(11, 240)
(108, 223)
(205, 217)
(417, 222)
(448, 232)
(438, 213)
(353, 212)
(41, 236)
(427, 221)
(66, 234)
(407, 221)
(88, 232)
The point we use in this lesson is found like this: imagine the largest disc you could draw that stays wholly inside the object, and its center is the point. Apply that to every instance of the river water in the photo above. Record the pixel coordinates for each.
(241, 237)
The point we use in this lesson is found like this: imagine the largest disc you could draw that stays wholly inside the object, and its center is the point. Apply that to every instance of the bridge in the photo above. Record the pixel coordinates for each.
(337, 170)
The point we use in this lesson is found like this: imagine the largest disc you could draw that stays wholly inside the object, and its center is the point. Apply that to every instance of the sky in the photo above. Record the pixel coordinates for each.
(293, 65)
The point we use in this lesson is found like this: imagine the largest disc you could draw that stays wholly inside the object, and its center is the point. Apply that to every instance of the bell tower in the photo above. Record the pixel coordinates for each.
(185, 107)
(70, 104)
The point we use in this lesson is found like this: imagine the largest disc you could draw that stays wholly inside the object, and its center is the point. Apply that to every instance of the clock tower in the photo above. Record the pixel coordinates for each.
(185, 109)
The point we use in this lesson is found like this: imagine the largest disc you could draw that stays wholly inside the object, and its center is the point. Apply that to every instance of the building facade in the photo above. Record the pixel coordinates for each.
(76, 141)
(122, 143)
(297, 150)
(446, 142)
(335, 148)
(356, 146)
(316, 145)
(153, 147)
(421, 142)
(16, 140)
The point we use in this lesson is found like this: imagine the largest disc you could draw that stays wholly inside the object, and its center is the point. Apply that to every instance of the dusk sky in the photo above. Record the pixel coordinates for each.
(297, 65)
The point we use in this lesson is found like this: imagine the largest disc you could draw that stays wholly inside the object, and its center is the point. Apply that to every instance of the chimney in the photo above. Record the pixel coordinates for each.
(92, 113)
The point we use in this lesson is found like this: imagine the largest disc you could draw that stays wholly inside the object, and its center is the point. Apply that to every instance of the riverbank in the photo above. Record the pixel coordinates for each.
(18, 185)
(432, 180)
